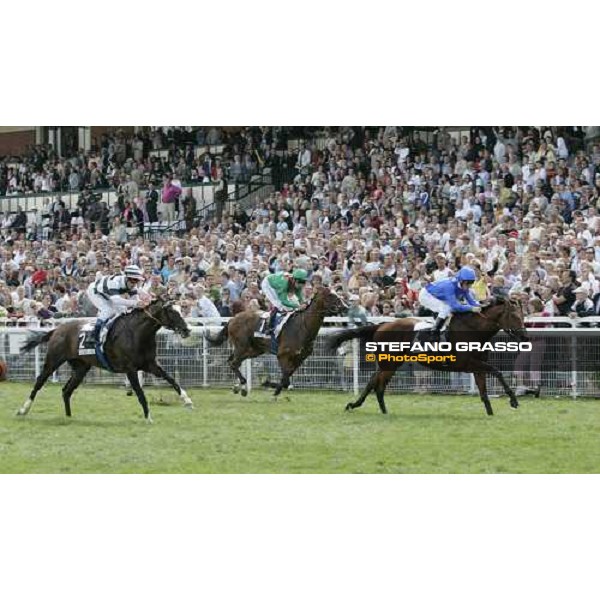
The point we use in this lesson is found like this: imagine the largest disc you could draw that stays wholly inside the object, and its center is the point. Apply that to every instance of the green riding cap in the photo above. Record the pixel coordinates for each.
(300, 275)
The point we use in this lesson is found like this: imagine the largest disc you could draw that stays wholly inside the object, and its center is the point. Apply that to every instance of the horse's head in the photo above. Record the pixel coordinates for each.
(508, 314)
(333, 303)
(163, 311)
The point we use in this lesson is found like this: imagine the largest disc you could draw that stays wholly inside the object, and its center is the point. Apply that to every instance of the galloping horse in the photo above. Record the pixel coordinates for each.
(130, 347)
(500, 314)
(295, 342)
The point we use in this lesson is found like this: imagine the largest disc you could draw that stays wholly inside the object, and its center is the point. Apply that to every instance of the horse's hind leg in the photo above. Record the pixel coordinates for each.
(139, 392)
(48, 369)
(363, 396)
(158, 371)
(80, 370)
(482, 387)
(382, 379)
(234, 363)
(286, 374)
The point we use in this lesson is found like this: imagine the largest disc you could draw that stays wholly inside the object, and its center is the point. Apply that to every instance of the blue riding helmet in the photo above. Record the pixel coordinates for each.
(466, 274)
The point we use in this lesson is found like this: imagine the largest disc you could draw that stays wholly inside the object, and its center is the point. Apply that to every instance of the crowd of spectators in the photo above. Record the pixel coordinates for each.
(376, 213)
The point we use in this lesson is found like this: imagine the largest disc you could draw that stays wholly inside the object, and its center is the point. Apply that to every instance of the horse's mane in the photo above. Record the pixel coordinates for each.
(138, 311)
(496, 300)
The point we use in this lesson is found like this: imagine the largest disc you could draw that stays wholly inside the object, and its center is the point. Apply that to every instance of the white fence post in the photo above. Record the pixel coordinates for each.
(574, 367)
(37, 362)
(472, 389)
(204, 362)
(355, 365)
(248, 362)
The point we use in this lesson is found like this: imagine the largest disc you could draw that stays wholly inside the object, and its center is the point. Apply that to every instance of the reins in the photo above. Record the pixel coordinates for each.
(145, 311)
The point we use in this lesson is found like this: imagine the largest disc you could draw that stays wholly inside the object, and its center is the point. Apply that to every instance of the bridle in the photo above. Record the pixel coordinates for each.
(149, 314)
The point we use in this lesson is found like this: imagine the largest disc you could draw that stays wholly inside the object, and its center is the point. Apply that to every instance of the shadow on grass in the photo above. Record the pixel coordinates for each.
(62, 421)
(413, 417)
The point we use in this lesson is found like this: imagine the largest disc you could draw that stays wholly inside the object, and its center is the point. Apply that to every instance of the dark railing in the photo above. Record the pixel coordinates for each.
(241, 195)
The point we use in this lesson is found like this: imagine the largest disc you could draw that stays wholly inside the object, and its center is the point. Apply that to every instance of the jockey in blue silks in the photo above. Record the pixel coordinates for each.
(448, 296)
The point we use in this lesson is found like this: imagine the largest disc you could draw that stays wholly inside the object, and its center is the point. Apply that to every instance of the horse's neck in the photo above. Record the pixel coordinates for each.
(313, 317)
(484, 325)
(141, 322)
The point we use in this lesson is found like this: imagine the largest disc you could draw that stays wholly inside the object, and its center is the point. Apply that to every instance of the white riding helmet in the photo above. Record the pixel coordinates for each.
(134, 272)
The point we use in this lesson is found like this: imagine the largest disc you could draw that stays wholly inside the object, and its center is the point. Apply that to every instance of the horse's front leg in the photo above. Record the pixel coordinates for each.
(158, 371)
(482, 367)
(482, 387)
(139, 392)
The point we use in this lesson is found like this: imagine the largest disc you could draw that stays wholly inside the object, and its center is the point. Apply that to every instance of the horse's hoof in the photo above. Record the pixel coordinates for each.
(129, 392)
(244, 392)
(20, 413)
(189, 406)
(235, 390)
(349, 406)
(149, 420)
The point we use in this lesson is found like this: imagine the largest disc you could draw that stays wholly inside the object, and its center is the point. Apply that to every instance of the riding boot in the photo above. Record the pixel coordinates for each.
(97, 329)
(270, 324)
(436, 332)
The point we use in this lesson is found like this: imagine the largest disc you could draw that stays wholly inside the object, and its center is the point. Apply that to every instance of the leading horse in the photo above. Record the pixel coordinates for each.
(295, 341)
(499, 314)
(130, 347)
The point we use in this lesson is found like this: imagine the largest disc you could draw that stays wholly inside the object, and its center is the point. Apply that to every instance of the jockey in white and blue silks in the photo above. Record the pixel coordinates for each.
(106, 294)
(448, 296)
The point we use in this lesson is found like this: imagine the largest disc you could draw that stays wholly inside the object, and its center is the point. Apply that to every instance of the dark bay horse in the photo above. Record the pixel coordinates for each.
(130, 347)
(295, 341)
(500, 314)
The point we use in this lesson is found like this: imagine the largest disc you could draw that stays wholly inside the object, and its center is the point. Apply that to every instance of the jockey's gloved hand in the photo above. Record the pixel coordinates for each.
(476, 309)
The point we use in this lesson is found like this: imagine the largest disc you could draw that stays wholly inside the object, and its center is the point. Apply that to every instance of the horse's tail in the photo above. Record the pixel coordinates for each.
(220, 337)
(365, 333)
(35, 339)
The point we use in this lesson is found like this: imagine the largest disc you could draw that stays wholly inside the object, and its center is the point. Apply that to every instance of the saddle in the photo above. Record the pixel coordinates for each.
(275, 322)
(89, 346)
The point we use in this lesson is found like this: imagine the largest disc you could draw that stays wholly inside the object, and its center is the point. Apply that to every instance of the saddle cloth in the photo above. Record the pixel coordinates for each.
(421, 325)
(280, 321)
(87, 343)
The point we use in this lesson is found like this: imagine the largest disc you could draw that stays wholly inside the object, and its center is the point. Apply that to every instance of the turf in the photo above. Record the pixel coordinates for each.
(310, 433)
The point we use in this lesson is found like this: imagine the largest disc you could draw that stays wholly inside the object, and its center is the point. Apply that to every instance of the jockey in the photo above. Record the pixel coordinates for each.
(106, 295)
(447, 296)
(284, 293)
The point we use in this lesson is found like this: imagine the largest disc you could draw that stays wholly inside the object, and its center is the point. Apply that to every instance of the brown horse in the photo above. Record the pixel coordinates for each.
(295, 341)
(130, 347)
(501, 314)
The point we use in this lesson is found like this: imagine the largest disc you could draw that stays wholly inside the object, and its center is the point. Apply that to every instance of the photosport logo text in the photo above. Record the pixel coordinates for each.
(435, 352)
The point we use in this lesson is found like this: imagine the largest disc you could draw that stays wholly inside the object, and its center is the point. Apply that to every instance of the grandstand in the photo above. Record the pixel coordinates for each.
(376, 212)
